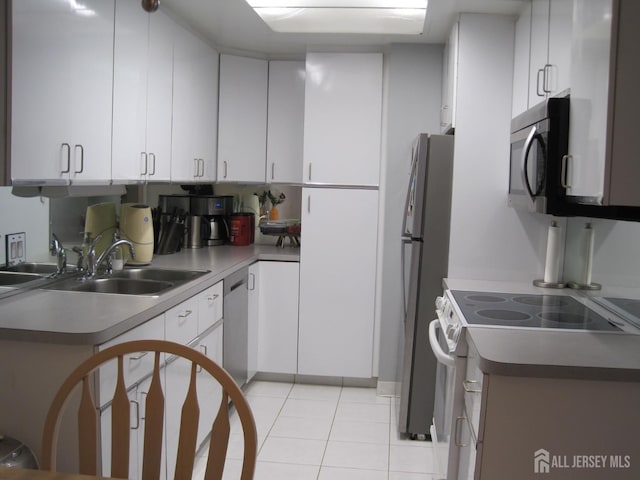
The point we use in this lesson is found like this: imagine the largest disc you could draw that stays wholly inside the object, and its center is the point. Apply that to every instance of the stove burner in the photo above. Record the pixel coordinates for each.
(565, 318)
(485, 299)
(542, 301)
(503, 315)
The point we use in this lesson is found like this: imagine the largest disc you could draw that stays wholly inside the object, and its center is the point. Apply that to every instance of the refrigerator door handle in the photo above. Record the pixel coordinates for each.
(403, 261)
(410, 200)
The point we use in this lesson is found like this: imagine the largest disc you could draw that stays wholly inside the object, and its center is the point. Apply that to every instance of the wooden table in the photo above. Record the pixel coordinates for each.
(27, 474)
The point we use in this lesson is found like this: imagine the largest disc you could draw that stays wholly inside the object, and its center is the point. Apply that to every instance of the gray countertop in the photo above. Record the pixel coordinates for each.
(81, 318)
(552, 353)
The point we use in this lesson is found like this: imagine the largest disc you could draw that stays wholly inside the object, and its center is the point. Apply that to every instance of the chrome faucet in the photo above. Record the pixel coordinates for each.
(93, 264)
(58, 250)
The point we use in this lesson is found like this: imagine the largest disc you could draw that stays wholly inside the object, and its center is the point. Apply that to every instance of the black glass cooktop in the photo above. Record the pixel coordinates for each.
(531, 311)
(628, 308)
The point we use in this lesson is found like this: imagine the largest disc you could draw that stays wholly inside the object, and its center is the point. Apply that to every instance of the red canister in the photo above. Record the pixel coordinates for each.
(241, 228)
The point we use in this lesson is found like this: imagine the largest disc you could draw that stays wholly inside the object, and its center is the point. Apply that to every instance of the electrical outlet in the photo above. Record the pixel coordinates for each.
(16, 248)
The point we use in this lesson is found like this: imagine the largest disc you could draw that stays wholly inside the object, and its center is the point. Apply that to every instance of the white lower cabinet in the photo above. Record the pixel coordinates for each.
(209, 390)
(278, 317)
(254, 318)
(337, 282)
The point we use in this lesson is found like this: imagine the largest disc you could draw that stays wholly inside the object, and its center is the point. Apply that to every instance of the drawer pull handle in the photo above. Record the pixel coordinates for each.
(213, 297)
(457, 438)
(137, 405)
(185, 314)
(469, 385)
(138, 357)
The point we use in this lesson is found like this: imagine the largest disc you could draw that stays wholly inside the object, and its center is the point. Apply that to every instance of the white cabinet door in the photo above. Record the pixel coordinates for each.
(242, 128)
(194, 108)
(337, 282)
(209, 390)
(285, 122)
(342, 118)
(559, 60)
(520, 101)
(589, 98)
(539, 50)
(278, 324)
(159, 97)
(254, 320)
(449, 80)
(62, 70)
(129, 157)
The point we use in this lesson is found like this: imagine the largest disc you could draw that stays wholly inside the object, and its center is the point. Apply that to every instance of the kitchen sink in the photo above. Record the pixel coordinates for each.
(158, 274)
(137, 281)
(37, 268)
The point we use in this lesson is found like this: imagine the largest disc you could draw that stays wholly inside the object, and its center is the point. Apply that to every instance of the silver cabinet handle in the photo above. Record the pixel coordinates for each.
(564, 170)
(202, 162)
(213, 297)
(81, 158)
(547, 74)
(309, 204)
(457, 437)
(152, 156)
(137, 405)
(225, 169)
(205, 351)
(68, 169)
(310, 165)
(468, 386)
(252, 284)
(273, 170)
(541, 71)
(143, 155)
(185, 314)
(196, 166)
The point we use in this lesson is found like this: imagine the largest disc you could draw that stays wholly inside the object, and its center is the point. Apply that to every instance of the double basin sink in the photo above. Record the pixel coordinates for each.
(130, 281)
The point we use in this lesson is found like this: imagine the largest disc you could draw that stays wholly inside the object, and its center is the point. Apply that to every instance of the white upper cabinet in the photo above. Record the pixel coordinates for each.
(242, 128)
(142, 90)
(62, 70)
(195, 109)
(285, 130)
(542, 64)
(449, 81)
(603, 148)
(342, 118)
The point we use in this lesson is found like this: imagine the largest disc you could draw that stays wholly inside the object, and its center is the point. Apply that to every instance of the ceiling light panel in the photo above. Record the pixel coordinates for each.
(401, 17)
(338, 3)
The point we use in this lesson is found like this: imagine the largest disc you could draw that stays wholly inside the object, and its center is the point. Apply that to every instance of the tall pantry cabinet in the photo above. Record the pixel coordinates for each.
(340, 214)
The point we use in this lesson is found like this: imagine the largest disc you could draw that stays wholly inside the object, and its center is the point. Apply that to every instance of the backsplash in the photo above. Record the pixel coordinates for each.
(29, 215)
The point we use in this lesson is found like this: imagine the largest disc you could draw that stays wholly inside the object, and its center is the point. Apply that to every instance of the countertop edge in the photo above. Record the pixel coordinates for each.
(164, 303)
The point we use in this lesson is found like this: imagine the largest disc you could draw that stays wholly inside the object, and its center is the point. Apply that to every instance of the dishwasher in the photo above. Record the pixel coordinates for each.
(236, 325)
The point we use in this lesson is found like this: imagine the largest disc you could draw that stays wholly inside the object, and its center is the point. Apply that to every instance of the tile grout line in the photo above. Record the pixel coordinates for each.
(274, 422)
(326, 445)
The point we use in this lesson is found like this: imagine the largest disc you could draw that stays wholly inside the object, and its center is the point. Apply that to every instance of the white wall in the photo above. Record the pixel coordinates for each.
(29, 215)
(616, 253)
(489, 240)
(413, 98)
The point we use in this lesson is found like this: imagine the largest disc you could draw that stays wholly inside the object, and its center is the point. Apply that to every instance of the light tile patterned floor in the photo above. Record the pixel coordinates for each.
(314, 432)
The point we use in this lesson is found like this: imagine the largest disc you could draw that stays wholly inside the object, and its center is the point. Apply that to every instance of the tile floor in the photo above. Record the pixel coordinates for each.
(313, 432)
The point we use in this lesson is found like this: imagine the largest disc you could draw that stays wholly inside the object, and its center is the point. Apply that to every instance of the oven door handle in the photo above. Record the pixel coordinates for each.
(440, 354)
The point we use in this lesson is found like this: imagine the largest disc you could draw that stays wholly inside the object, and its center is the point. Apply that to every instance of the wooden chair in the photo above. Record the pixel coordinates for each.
(120, 433)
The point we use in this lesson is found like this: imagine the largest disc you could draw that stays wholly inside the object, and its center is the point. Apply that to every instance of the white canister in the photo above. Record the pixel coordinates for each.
(136, 225)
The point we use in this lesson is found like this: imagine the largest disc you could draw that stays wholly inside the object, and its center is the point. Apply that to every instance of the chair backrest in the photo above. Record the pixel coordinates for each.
(154, 420)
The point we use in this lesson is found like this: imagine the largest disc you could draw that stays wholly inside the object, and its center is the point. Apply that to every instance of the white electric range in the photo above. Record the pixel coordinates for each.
(468, 304)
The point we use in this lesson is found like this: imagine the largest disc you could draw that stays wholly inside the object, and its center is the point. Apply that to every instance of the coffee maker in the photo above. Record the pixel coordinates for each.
(214, 210)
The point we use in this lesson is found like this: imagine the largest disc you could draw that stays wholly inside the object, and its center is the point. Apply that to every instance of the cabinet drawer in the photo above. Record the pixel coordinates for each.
(136, 366)
(181, 322)
(209, 307)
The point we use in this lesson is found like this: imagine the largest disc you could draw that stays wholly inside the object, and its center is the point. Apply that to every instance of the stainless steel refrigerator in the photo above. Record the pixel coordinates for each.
(425, 257)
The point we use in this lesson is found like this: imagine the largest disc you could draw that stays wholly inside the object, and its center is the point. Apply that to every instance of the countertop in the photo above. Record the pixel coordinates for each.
(81, 318)
(609, 356)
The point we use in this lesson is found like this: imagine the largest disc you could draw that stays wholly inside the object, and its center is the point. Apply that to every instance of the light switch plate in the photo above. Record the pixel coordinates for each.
(16, 248)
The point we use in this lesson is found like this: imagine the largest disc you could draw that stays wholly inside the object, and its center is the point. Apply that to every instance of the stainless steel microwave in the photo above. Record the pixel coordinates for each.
(539, 143)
